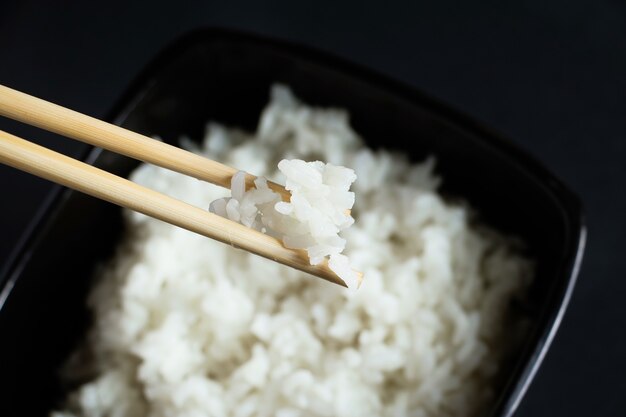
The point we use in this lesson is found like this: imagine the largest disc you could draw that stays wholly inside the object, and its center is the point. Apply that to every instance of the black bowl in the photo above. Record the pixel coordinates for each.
(225, 76)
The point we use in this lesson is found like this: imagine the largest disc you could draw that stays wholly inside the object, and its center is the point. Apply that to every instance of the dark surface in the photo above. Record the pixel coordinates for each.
(204, 76)
(549, 77)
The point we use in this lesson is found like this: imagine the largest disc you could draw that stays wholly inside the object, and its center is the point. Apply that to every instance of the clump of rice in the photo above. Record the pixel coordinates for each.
(185, 326)
(318, 210)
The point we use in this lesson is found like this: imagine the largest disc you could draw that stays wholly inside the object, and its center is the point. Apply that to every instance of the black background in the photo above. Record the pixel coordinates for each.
(550, 75)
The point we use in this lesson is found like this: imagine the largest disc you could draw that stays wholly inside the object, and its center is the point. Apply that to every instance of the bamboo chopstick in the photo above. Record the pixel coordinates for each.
(53, 166)
(54, 118)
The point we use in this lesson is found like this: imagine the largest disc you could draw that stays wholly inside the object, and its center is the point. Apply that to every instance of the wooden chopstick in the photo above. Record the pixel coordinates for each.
(54, 118)
(53, 166)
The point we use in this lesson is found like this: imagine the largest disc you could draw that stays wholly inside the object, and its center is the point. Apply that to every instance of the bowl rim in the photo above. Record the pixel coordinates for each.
(569, 203)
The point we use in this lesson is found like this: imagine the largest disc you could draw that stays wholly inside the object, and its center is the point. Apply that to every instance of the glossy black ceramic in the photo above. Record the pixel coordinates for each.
(225, 76)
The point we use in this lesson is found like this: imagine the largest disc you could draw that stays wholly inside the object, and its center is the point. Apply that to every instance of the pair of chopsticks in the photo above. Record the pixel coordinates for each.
(45, 163)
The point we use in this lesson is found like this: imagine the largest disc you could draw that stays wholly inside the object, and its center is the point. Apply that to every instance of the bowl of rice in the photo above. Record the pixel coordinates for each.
(469, 249)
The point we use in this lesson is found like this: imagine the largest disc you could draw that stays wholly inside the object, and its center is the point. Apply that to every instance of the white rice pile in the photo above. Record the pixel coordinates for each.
(188, 327)
(319, 208)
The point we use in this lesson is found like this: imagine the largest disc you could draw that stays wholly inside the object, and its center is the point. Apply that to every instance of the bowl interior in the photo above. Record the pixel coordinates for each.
(222, 76)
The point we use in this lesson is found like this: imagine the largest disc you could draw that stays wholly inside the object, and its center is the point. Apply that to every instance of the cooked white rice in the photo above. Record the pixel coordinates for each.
(185, 326)
(318, 210)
